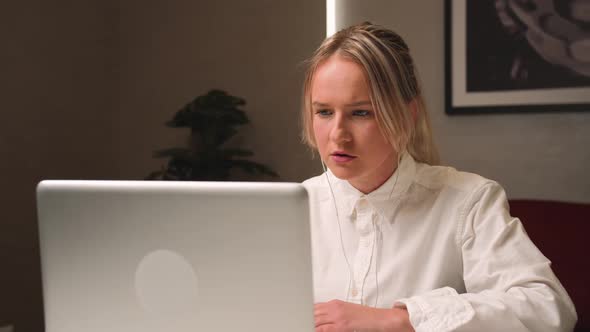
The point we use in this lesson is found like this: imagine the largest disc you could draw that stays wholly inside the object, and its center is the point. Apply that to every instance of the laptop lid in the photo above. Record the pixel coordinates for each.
(175, 256)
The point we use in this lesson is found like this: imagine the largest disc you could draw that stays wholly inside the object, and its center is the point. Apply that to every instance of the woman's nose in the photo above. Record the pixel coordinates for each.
(340, 132)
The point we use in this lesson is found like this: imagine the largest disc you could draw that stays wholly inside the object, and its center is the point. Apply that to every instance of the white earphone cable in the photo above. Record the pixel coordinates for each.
(373, 254)
(350, 274)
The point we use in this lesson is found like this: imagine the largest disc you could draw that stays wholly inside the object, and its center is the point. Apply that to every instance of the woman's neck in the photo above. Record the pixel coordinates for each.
(377, 177)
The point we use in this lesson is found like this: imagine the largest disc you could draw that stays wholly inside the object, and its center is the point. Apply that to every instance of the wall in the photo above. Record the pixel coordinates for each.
(541, 155)
(56, 123)
(168, 57)
(87, 85)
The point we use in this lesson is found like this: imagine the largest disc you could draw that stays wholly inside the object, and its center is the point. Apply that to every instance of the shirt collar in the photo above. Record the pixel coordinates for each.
(391, 190)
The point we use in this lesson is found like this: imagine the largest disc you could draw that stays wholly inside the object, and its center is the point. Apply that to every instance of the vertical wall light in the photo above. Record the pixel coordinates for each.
(330, 17)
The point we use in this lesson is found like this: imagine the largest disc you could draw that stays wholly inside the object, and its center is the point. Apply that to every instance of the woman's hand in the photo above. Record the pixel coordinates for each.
(340, 316)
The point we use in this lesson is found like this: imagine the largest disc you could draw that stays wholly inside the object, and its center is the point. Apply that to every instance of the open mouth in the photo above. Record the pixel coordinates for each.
(341, 157)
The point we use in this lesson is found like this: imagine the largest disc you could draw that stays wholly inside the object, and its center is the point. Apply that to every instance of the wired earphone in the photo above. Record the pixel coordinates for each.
(376, 268)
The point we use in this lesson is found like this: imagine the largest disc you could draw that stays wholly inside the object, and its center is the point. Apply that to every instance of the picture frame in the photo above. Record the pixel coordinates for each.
(495, 63)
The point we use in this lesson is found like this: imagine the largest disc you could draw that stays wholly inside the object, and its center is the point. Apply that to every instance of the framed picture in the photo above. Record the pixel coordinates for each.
(517, 55)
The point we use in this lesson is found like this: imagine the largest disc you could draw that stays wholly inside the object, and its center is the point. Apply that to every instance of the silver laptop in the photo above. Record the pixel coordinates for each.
(175, 256)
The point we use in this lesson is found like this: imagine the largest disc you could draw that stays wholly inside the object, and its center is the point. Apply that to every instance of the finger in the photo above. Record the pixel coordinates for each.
(328, 305)
(324, 327)
(322, 319)
(320, 315)
(321, 329)
(320, 304)
(320, 308)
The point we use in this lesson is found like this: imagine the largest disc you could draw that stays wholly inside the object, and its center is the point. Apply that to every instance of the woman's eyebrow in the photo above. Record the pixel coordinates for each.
(318, 104)
(355, 104)
(359, 103)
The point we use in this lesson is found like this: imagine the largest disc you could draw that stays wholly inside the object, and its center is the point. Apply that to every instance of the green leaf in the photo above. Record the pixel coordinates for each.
(154, 175)
(230, 153)
(173, 152)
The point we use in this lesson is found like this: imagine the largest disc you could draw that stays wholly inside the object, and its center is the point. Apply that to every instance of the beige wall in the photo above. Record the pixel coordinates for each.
(168, 57)
(87, 85)
(542, 155)
(56, 122)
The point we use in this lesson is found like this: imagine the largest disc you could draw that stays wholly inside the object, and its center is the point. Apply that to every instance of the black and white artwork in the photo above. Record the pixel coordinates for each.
(517, 55)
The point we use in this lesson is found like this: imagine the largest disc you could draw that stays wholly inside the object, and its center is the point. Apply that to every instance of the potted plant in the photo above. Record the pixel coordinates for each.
(212, 119)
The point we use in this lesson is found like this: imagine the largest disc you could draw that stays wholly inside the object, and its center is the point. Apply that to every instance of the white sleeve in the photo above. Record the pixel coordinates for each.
(509, 284)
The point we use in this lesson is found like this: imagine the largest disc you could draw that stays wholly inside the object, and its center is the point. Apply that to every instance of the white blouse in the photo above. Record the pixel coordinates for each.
(439, 242)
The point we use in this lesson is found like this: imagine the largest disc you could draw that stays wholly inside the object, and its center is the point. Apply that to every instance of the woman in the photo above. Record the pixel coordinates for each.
(400, 244)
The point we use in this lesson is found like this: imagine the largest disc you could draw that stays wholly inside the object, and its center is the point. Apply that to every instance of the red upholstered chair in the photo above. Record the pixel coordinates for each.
(562, 232)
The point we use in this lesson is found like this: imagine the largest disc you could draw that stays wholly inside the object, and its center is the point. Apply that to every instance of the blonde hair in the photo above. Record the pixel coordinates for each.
(393, 82)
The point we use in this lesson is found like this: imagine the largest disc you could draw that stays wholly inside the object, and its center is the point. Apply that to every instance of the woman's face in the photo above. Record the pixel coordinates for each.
(345, 126)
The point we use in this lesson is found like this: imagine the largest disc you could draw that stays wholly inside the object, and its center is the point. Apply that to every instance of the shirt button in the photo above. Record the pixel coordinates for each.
(365, 229)
(362, 203)
(354, 292)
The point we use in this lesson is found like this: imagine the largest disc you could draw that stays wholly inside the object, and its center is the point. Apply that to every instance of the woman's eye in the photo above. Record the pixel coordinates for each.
(361, 113)
(323, 112)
